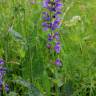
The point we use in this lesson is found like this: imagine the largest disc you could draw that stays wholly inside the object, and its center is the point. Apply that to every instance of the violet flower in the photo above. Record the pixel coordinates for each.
(7, 88)
(57, 47)
(58, 62)
(1, 62)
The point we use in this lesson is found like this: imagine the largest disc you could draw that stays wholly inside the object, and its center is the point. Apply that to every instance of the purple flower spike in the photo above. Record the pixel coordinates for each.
(52, 22)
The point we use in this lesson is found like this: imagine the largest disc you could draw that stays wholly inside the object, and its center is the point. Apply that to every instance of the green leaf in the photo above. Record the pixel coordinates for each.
(32, 90)
(15, 34)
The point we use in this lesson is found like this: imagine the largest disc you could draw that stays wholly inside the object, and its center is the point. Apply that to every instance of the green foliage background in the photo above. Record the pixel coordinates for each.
(23, 47)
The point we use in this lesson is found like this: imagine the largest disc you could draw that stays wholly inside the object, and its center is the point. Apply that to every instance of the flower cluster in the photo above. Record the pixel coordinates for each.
(2, 73)
(52, 21)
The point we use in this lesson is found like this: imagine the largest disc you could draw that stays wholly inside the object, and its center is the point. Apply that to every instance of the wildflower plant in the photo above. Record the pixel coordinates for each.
(2, 73)
(51, 22)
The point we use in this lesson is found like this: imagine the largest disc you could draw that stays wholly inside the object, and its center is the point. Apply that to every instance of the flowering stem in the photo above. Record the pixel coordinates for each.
(52, 21)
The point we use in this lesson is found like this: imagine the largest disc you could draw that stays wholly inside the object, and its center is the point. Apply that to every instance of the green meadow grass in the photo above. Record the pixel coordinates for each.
(23, 47)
